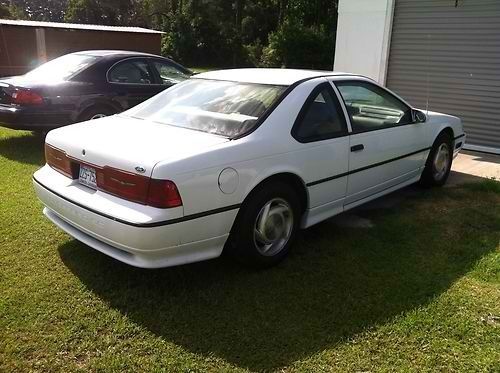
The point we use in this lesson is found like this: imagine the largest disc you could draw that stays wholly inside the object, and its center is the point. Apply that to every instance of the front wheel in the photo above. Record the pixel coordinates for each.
(438, 164)
(266, 226)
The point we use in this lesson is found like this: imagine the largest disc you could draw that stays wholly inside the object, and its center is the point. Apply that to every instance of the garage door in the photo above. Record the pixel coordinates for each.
(445, 55)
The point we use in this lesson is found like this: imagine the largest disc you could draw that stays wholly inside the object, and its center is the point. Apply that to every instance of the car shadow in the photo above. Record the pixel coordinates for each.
(24, 148)
(337, 282)
(483, 157)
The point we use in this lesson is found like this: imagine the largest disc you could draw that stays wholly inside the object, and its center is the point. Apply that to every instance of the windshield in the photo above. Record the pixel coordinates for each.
(62, 68)
(220, 107)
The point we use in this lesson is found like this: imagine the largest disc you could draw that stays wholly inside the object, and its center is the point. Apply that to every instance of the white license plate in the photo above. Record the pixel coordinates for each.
(87, 176)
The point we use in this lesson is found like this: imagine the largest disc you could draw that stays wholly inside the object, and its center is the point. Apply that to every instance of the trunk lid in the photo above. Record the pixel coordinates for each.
(129, 144)
(8, 85)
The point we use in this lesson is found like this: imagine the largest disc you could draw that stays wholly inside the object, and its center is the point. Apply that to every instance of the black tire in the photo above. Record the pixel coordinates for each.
(94, 112)
(433, 176)
(243, 245)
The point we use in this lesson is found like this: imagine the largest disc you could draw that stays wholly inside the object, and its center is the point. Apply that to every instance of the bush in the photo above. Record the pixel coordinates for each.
(253, 53)
(194, 41)
(296, 46)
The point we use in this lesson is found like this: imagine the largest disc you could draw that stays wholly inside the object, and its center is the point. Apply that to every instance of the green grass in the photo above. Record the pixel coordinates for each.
(198, 70)
(418, 292)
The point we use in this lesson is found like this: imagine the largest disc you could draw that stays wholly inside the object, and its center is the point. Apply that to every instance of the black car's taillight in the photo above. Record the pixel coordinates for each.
(23, 96)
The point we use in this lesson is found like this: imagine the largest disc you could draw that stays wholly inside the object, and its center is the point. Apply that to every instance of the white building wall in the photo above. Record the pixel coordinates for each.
(363, 37)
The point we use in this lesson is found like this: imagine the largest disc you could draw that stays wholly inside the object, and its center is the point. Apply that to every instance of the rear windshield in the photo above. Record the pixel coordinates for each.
(220, 107)
(62, 68)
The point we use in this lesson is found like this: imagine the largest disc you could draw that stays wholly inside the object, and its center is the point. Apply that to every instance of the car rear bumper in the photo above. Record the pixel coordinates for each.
(167, 257)
(20, 118)
(168, 243)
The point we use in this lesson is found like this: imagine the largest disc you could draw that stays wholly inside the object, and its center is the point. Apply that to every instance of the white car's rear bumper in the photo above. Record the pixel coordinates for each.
(146, 244)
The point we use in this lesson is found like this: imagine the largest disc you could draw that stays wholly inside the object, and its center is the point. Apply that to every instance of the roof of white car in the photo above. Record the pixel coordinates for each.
(267, 76)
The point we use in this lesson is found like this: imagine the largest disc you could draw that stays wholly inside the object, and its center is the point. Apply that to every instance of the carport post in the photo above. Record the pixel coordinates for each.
(41, 49)
(363, 37)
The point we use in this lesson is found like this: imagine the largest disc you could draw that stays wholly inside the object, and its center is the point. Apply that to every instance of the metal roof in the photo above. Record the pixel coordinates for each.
(77, 26)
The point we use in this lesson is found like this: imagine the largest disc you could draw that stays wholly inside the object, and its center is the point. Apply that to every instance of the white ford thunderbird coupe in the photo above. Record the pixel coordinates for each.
(237, 160)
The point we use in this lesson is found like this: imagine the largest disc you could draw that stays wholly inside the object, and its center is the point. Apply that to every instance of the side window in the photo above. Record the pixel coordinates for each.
(371, 107)
(169, 74)
(320, 118)
(131, 72)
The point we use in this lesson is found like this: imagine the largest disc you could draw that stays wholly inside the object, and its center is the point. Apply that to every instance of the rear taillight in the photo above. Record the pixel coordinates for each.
(58, 160)
(123, 184)
(138, 188)
(26, 97)
(163, 194)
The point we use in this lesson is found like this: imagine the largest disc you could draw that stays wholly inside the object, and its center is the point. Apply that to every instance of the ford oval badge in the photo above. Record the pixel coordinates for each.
(140, 169)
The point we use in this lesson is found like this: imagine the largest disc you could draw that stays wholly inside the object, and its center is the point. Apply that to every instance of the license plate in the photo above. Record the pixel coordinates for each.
(87, 176)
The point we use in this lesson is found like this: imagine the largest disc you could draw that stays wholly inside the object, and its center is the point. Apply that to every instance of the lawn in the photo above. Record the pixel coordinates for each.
(198, 70)
(420, 291)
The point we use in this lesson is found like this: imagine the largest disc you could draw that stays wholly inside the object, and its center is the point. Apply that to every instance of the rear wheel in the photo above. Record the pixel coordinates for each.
(95, 112)
(438, 164)
(266, 226)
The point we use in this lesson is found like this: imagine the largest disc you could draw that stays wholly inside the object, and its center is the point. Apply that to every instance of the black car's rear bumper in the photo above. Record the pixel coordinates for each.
(31, 118)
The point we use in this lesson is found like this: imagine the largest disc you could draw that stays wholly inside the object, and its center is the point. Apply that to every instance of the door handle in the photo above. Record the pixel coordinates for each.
(357, 148)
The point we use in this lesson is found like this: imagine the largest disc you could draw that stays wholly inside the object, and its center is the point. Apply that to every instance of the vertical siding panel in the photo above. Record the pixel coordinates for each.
(442, 55)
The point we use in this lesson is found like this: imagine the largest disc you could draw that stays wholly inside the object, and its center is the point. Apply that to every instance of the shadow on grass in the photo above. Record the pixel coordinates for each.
(337, 282)
(25, 148)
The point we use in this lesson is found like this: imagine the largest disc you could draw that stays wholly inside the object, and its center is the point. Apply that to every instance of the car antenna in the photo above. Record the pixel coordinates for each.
(427, 77)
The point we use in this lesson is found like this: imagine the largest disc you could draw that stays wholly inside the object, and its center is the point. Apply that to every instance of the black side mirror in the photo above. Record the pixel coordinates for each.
(418, 116)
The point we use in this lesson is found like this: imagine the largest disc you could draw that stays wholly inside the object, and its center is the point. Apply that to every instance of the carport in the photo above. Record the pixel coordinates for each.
(26, 44)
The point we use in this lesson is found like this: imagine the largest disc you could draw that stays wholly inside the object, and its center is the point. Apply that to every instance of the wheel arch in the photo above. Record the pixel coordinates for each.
(289, 178)
(87, 105)
(448, 130)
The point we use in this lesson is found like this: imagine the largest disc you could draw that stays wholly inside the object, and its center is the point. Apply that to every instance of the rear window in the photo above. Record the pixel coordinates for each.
(220, 107)
(62, 68)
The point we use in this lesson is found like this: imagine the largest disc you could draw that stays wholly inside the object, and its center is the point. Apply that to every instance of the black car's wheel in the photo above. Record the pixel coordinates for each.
(95, 112)
(266, 226)
(438, 164)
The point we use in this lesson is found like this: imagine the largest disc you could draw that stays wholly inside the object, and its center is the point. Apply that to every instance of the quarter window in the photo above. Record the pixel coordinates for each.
(131, 72)
(371, 107)
(169, 74)
(320, 118)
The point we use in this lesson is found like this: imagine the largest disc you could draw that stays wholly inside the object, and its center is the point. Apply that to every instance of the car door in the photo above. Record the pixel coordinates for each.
(322, 129)
(132, 81)
(387, 148)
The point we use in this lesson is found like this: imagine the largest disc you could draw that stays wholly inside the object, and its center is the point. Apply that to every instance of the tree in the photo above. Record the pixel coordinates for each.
(42, 10)
(104, 12)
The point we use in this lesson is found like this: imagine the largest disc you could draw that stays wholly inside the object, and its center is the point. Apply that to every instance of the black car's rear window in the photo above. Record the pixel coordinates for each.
(62, 68)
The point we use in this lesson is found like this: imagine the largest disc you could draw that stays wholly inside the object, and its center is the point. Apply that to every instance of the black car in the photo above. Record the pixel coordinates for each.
(84, 85)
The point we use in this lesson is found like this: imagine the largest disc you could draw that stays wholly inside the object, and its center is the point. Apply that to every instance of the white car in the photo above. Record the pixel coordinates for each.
(237, 160)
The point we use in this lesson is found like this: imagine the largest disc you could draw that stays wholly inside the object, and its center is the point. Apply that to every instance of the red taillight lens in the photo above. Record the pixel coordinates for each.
(58, 160)
(126, 185)
(163, 194)
(123, 184)
(137, 188)
(26, 97)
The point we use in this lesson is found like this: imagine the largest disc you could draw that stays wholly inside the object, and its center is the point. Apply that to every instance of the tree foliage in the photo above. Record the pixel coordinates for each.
(40, 10)
(291, 33)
